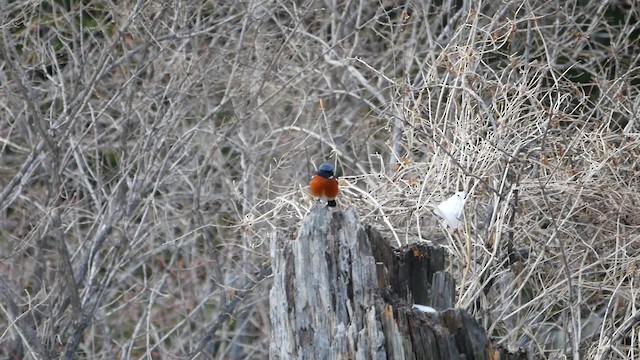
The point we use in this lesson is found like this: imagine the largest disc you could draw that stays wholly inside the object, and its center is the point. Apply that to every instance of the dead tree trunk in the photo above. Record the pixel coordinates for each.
(340, 291)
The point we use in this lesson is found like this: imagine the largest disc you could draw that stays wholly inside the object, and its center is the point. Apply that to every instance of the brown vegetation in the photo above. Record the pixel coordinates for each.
(148, 150)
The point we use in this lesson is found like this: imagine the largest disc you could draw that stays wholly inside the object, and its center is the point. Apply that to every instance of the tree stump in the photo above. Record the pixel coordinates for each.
(340, 291)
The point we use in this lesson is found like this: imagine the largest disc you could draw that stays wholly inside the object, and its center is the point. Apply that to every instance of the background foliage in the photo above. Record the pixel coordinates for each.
(149, 150)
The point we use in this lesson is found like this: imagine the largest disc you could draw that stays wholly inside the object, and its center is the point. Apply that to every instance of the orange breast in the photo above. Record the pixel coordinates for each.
(323, 187)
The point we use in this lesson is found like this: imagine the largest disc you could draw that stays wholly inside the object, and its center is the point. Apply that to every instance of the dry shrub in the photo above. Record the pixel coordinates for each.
(148, 152)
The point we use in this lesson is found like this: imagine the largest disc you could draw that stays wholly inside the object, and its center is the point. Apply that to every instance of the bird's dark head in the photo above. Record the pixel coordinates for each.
(326, 170)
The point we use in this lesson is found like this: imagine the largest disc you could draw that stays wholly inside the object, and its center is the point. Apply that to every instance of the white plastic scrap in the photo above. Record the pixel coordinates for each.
(451, 209)
(423, 308)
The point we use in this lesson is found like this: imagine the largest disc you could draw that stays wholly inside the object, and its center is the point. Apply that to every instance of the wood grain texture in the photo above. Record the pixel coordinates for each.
(340, 291)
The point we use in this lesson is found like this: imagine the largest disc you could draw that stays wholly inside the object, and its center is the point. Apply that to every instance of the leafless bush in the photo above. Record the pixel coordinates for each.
(148, 150)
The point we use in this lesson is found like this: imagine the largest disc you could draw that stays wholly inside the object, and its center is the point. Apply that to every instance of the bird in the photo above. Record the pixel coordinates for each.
(324, 184)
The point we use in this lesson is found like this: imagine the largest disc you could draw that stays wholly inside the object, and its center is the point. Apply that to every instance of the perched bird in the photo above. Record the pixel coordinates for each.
(324, 184)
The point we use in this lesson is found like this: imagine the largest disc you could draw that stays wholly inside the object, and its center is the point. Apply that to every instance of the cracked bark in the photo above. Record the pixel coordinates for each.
(340, 291)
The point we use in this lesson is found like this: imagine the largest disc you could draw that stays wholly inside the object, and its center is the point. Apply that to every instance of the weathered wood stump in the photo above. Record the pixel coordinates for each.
(340, 291)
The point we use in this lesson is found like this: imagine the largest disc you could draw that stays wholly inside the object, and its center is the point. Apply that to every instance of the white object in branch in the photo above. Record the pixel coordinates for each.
(451, 209)
(423, 308)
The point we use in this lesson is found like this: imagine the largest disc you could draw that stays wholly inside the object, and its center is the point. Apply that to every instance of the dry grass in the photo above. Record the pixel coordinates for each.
(147, 153)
